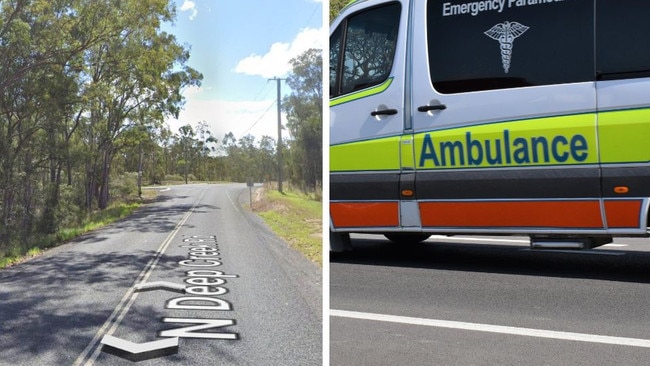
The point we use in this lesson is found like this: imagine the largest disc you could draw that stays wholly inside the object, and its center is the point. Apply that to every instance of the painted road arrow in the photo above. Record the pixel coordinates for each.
(159, 285)
(139, 351)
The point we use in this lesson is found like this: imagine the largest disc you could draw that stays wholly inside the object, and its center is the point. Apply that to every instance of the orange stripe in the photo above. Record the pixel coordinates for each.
(364, 214)
(623, 213)
(547, 214)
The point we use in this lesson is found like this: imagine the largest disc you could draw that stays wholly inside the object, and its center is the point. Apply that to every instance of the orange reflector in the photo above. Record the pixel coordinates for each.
(621, 189)
(407, 192)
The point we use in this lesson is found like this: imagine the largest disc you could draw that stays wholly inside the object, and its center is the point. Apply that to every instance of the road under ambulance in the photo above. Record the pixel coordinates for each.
(508, 117)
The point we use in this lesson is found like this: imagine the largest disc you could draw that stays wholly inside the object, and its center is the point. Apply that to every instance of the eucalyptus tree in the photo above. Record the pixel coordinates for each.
(336, 6)
(304, 119)
(266, 155)
(206, 145)
(40, 45)
(140, 71)
(187, 144)
(74, 76)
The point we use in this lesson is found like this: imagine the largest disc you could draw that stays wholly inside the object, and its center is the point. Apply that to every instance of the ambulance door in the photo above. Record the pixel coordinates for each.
(504, 117)
(367, 52)
(623, 69)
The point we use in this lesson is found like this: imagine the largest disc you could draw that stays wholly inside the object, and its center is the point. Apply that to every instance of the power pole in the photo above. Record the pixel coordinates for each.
(278, 80)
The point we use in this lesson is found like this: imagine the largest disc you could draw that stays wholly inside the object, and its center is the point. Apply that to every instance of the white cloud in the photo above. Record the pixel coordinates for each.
(190, 5)
(257, 118)
(276, 61)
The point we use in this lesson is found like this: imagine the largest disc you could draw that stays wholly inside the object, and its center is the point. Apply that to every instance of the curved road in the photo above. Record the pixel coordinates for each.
(195, 273)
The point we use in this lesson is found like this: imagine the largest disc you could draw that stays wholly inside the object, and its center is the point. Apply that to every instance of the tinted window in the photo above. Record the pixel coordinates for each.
(369, 49)
(335, 57)
(479, 46)
(623, 39)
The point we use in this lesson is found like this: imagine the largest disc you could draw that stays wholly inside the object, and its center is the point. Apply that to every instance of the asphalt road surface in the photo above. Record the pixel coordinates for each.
(192, 279)
(489, 301)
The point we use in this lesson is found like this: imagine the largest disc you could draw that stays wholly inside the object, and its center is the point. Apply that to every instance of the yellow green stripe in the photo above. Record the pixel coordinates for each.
(563, 140)
(406, 152)
(370, 155)
(624, 136)
(362, 93)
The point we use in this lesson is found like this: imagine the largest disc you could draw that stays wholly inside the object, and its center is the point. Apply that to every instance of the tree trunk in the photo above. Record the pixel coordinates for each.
(102, 201)
(91, 184)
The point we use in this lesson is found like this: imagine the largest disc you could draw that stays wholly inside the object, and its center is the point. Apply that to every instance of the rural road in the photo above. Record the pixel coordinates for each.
(194, 273)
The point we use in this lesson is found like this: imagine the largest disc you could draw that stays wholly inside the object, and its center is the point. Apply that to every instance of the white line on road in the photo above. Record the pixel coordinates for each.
(86, 358)
(477, 327)
(232, 202)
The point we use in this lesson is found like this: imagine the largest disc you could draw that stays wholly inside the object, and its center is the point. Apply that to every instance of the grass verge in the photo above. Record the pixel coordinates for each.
(19, 251)
(294, 217)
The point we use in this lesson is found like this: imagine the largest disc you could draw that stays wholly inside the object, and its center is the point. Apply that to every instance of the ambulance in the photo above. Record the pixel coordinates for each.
(495, 117)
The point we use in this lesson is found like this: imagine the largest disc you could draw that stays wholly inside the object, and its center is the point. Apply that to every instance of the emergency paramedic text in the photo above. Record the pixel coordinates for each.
(476, 7)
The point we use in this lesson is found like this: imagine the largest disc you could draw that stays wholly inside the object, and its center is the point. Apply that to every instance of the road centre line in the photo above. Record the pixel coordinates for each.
(477, 327)
(129, 297)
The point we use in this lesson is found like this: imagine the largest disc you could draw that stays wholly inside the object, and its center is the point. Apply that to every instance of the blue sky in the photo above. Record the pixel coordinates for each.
(238, 46)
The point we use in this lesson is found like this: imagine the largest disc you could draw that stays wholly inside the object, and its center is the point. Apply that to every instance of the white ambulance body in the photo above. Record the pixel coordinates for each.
(526, 117)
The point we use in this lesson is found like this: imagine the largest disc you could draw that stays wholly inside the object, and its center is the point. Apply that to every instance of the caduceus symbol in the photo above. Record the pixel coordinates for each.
(506, 33)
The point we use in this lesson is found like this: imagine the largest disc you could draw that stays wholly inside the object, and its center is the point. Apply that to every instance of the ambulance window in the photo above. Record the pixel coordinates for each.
(370, 43)
(488, 45)
(335, 52)
(622, 39)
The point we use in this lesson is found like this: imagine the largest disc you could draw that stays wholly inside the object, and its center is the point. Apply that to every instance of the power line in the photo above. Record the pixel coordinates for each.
(259, 118)
(264, 87)
(316, 7)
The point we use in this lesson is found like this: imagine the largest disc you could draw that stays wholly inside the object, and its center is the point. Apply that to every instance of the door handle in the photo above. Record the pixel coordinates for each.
(435, 107)
(384, 112)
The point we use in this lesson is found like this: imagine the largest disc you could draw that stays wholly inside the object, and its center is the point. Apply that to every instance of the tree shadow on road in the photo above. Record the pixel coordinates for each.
(52, 305)
(158, 217)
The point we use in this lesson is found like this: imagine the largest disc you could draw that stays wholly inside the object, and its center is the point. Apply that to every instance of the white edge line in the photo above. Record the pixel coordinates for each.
(232, 202)
(529, 332)
(129, 297)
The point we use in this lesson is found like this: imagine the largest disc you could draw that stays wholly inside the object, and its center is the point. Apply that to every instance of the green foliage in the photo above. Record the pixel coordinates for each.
(69, 211)
(124, 185)
(304, 114)
(84, 88)
(173, 178)
(17, 250)
(247, 158)
(336, 6)
(297, 218)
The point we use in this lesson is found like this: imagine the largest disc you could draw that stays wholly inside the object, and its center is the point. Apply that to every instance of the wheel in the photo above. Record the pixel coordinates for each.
(340, 242)
(407, 238)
